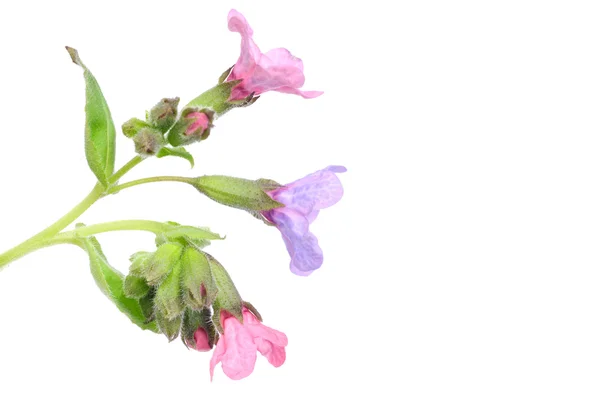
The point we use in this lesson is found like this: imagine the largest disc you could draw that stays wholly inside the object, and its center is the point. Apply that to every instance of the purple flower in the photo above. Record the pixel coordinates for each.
(276, 70)
(303, 199)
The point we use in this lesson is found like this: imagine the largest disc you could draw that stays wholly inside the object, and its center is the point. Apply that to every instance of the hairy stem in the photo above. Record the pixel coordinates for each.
(43, 238)
(34, 242)
(148, 180)
(125, 169)
(120, 225)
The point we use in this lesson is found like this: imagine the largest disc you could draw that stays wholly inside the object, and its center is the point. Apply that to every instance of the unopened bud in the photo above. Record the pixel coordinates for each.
(193, 126)
(197, 331)
(197, 284)
(168, 295)
(133, 126)
(135, 287)
(169, 328)
(138, 261)
(147, 305)
(228, 298)
(148, 142)
(164, 114)
(161, 263)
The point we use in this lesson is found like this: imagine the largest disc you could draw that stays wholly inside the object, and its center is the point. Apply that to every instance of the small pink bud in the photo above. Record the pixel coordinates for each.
(202, 342)
(200, 124)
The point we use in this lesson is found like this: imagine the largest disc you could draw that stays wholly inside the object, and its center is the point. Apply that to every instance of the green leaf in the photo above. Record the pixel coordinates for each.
(99, 127)
(110, 282)
(178, 152)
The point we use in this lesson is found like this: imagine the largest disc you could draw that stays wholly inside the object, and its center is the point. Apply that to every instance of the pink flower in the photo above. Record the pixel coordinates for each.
(201, 339)
(237, 346)
(199, 125)
(277, 70)
(303, 199)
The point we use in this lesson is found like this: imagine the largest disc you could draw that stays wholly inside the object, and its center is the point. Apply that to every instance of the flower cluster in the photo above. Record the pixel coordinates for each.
(179, 289)
(188, 292)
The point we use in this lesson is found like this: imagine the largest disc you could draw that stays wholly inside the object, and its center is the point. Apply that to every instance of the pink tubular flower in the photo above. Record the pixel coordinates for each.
(277, 70)
(303, 199)
(236, 349)
(201, 122)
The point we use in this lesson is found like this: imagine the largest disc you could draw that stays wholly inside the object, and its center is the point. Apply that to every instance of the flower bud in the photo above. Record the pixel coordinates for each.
(147, 305)
(228, 298)
(168, 294)
(161, 263)
(194, 125)
(138, 261)
(148, 142)
(135, 287)
(164, 114)
(169, 328)
(197, 331)
(133, 126)
(237, 192)
(197, 284)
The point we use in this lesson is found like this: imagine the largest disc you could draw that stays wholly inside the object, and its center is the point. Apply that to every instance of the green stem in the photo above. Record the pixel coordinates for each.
(125, 169)
(130, 184)
(34, 242)
(44, 237)
(121, 225)
(22, 250)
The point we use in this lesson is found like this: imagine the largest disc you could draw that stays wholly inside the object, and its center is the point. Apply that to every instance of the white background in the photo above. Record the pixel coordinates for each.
(462, 262)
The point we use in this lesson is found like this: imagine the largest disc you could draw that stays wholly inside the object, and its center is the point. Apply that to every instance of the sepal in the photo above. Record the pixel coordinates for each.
(168, 300)
(148, 142)
(228, 298)
(237, 192)
(193, 321)
(188, 129)
(197, 283)
(170, 328)
(160, 264)
(164, 114)
(132, 126)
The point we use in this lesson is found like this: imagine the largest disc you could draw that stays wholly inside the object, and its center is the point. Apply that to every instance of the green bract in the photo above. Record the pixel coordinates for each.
(110, 282)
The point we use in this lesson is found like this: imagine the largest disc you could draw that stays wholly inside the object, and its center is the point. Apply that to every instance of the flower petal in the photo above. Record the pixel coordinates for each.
(250, 53)
(304, 94)
(239, 357)
(316, 191)
(217, 356)
(271, 343)
(201, 339)
(274, 354)
(302, 245)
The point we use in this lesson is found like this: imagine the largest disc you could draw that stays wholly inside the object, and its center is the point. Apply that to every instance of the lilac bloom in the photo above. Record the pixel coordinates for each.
(276, 70)
(303, 199)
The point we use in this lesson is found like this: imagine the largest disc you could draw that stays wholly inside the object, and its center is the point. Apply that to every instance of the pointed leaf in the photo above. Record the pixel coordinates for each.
(110, 282)
(178, 152)
(99, 127)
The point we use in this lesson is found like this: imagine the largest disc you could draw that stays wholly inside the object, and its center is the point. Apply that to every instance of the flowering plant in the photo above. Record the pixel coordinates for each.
(178, 289)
